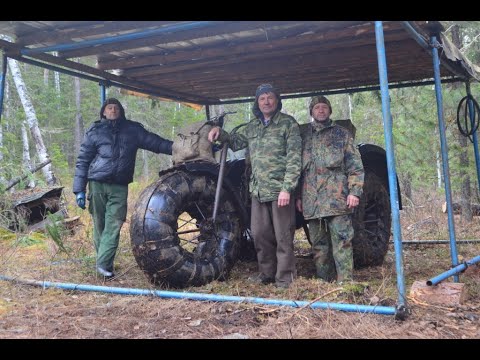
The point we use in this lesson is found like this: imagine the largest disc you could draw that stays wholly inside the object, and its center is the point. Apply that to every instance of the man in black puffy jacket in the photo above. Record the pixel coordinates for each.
(107, 162)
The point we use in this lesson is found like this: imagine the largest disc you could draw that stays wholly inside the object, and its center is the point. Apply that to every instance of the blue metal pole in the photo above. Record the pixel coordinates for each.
(103, 94)
(416, 36)
(120, 38)
(392, 174)
(3, 76)
(383, 310)
(471, 113)
(457, 269)
(444, 147)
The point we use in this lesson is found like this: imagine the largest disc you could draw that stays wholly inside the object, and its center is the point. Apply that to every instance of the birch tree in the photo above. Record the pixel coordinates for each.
(2, 179)
(56, 76)
(79, 125)
(27, 164)
(31, 118)
(145, 168)
(45, 77)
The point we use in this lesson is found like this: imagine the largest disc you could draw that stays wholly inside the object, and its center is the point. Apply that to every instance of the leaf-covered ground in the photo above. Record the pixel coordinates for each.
(34, 312)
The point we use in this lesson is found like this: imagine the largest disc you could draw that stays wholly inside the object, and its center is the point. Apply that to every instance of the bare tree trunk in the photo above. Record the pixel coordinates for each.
(145, 169)
(248, 112)
(220, 109)
(56, 76)
(6, 100)
(31, 120)
(3, 181)
(466, 195)
(1, 142)
(79, 126)
(350, 107)
(26, 154)
(307, 104)
(45, 77)
(407, 185)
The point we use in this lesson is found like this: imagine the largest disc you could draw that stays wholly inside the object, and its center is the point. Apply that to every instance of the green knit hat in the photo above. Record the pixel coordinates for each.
(319, 99)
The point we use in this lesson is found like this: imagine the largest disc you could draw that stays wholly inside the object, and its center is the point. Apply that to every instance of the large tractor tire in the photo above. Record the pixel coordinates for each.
(173, 238)
(371, 221)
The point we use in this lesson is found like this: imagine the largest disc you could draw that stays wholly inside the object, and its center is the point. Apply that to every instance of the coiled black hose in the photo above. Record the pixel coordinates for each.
(470, 125)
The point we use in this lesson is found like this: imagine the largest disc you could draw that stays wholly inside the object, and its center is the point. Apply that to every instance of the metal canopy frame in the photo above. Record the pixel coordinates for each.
(216, 62)
(112, 46)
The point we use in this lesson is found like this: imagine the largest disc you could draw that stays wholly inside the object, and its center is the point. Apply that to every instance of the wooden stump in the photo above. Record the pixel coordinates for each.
(444, 294)
(457, 209)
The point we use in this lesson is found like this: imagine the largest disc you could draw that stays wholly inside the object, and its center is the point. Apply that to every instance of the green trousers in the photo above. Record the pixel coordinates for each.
(108, 206)
(273, 230)
(332, 247)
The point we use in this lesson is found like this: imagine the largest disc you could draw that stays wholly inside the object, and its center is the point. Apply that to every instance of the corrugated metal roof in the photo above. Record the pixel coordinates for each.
(208, 62)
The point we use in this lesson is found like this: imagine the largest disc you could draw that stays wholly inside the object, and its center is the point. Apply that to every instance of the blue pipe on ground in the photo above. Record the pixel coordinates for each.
(457, 269)
(383, 310)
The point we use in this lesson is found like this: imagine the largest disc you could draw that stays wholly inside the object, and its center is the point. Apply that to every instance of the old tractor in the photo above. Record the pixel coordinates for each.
(191, 225)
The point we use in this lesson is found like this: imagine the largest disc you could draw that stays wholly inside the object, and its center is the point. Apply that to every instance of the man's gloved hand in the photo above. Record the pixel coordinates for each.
(81, 199)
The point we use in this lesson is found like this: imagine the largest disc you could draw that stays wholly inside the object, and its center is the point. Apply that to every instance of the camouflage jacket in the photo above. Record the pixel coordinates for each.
(332, 169)
(275, 154)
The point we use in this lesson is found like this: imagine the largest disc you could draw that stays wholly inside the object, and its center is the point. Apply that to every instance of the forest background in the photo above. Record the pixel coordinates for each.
(45, 115)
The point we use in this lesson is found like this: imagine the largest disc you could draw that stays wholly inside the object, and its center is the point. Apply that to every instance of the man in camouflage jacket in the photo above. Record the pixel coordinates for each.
(329, 188)
(274, 146)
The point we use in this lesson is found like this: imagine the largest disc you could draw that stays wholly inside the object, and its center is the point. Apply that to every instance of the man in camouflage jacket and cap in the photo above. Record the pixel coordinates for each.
(274, 146)
(329, 188)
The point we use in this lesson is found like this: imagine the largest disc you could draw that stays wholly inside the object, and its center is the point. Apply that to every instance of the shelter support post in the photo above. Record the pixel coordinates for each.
(103, 94)
(471, 113)
(392, 175)
(444, 148)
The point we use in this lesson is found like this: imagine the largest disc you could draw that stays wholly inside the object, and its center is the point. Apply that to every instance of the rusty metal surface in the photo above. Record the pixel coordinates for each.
(208, 62)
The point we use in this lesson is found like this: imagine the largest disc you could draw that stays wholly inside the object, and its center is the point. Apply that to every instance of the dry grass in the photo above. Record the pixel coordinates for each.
(33, 312)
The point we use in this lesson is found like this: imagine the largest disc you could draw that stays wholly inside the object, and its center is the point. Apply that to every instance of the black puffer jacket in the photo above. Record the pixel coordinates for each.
(109, 150)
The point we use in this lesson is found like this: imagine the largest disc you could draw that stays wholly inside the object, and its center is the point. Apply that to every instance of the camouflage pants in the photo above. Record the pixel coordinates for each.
(108, 206)
(332, 247)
